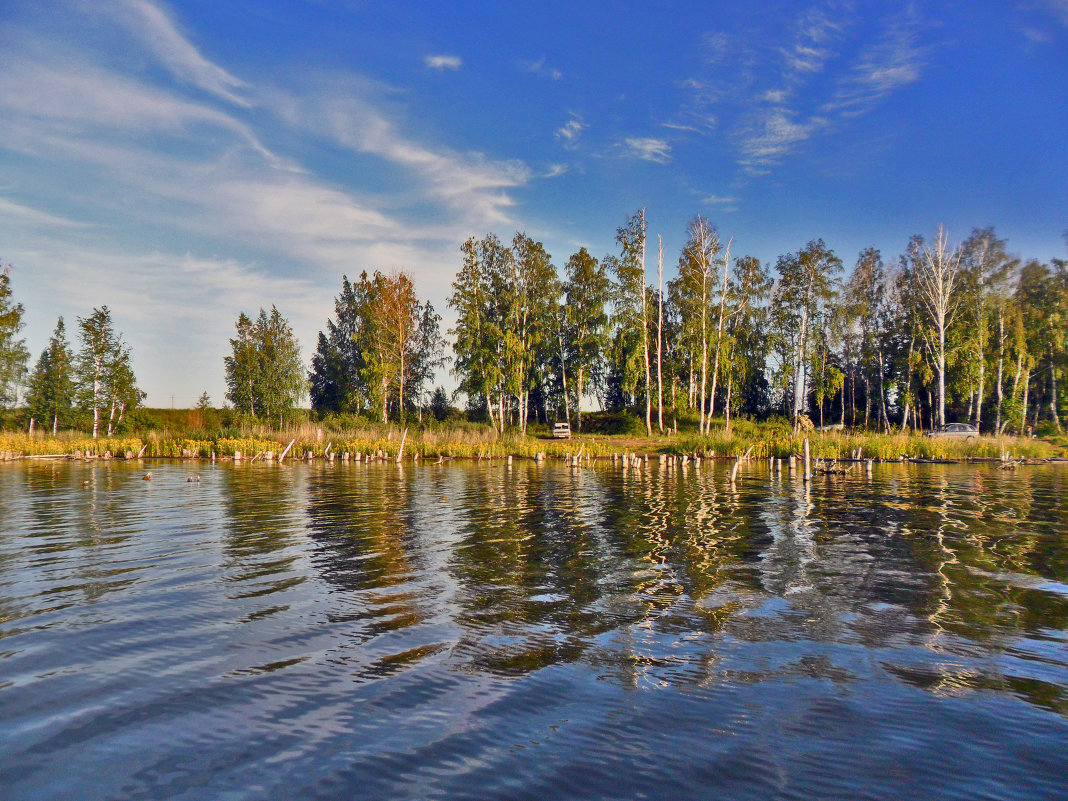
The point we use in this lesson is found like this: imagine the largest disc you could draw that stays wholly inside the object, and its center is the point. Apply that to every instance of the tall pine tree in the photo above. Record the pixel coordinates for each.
(50, 397)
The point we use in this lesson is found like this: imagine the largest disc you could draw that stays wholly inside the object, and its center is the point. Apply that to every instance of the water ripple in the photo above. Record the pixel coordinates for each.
(491, 631)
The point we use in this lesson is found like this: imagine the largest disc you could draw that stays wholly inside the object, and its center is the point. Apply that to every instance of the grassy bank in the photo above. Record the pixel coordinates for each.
(777, 439)
(472, 441)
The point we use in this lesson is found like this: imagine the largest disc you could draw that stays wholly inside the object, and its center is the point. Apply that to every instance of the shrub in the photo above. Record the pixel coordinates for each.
(625, 422)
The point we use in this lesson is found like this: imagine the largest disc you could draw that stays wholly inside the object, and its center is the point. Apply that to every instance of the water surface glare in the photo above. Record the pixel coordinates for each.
(488, 631)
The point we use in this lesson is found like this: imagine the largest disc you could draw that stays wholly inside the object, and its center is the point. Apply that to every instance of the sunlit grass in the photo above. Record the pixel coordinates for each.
(474, 441)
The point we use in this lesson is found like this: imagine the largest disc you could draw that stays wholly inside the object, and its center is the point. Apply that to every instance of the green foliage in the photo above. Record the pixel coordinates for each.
(50, 395)
(629, 320)
(587, 292)
(337, 375)
(806, 287)
(13, 353)
(264, 373)
(479, 331)
(624, 423)
(508, 335)
(439, 404)
(103, 374)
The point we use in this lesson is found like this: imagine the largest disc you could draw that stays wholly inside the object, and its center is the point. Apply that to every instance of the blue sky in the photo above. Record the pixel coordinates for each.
(185, 161)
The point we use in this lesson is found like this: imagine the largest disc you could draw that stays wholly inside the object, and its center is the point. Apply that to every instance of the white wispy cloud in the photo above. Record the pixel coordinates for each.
(176, 310)
(539, 68)
(32, 216)
(469, 184)
(443, 63)
(678, 126)
(81, 97)
(815, 34)
(717, 200)
(570, 131)
(1035, 36)
(155, 29)
(896, 60)
(170, 177)
(556, 170)
(772, 134)
(647, 149)
(772, 93)
(1059, 8)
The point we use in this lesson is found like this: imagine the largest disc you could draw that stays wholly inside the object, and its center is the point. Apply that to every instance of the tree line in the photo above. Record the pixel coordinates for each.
(375, 358)
(966, 332)
(65, 384)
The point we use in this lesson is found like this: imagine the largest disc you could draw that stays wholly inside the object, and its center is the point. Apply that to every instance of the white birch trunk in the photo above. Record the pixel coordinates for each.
(719, 328)
(660, 334)
(645, 344)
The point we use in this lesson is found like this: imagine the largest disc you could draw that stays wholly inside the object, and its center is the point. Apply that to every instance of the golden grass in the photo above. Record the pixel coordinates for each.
(467, 441)
(843, 445)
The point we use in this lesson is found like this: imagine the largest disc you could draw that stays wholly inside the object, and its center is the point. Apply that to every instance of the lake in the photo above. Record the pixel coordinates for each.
(492, 631)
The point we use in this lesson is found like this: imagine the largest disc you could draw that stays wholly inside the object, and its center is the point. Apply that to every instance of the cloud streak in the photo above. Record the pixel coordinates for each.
(893, 62)
(570, 132)
(158, 32)
(539, 68)
(31, 216)
(469, 185)
(647, 149)
(785, 90)
(170, 177)
(83, 99)
(443, 63)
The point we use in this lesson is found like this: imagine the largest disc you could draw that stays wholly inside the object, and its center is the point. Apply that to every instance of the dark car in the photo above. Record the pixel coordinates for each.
(962, 430)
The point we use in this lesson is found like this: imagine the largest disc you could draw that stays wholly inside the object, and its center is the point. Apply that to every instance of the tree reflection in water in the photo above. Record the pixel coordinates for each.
(650, 576)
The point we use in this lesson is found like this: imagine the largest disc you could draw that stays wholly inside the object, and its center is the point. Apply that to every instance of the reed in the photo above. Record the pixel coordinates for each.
(843, 445)
(469, 441)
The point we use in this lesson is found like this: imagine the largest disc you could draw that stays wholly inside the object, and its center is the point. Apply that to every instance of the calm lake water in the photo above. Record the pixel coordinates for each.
(484, 631)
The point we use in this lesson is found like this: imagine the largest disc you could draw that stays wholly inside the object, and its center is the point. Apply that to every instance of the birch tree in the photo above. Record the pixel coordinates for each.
(631, 313)
(478, 331)
(744, 337)
(395, 316)
(719, 333)
(533, 317)
(587, 293)
(660, 333)
(104, 376)
(1042, 295)
(693, 289)
(865, 307)
(937, 277)
(988, 267)
(805, 285)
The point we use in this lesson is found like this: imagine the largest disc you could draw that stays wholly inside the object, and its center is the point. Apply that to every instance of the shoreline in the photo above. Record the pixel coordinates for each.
(751, 443)
(821, 464)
